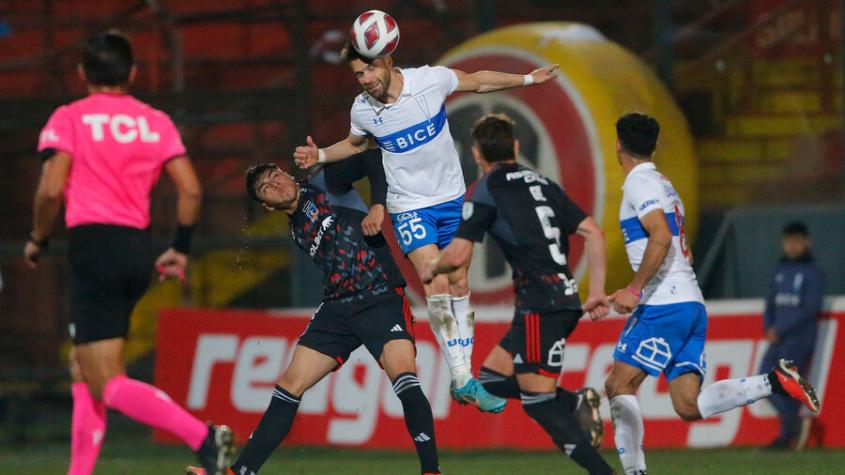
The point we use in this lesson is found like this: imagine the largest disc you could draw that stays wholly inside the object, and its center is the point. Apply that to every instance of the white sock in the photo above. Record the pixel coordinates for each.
(628, 432)
(466, 326)
(445, 329)
(727, 394)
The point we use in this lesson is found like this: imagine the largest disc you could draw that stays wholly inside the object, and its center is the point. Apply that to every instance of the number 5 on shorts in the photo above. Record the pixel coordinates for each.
(411, 229)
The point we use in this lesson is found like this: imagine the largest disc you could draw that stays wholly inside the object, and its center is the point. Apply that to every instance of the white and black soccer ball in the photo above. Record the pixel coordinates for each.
(374, 34)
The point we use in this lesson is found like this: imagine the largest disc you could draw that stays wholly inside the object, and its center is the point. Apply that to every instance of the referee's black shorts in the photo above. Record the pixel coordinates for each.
(110, 271)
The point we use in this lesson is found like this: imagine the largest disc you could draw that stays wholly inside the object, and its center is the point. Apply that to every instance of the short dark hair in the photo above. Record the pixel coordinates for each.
(253, 173)
(637, 133)
(493, 135)
(796, 228)
(107, 59)
(348, 54)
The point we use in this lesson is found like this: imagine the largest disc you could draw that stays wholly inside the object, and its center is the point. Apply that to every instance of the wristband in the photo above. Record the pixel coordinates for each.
(634, 291)
(321, 156)
(42, 244)
(527, 80)
(182, 241)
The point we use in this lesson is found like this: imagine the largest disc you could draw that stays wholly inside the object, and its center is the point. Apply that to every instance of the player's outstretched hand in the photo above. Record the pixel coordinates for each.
(171, 264)
(307, 155)
(371, 225)
(545, 73)
(596, 307)
(623, 301)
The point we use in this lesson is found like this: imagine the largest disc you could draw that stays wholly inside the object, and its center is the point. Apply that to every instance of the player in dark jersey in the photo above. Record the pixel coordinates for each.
(530, 217)
(362, 301)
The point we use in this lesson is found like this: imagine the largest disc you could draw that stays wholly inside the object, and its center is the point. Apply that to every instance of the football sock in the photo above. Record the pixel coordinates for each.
(88, 426)
(727, 394)
(271, 431)
(418, 420)
(445, 329)
(466, 326)
(628, 432)
(564, 430)
(498, 384)
(151, 406)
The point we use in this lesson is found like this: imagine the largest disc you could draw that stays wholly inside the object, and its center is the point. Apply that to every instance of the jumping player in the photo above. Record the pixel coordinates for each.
(104, 153)
(667, 330)
(363, 302)
(531, 217)
(402, 112)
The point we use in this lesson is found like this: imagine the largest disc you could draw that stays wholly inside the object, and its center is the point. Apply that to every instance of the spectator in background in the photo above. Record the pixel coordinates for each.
(792, 306)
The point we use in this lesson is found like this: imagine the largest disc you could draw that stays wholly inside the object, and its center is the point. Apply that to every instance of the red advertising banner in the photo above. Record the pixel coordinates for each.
(222, 365)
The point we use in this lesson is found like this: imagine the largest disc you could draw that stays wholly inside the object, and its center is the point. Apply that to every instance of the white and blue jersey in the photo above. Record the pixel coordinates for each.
(421, 163)
(666, 333)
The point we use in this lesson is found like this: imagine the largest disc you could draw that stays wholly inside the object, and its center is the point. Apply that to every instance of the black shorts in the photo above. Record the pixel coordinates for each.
(536, 340)
(110, 269)
(338, 329)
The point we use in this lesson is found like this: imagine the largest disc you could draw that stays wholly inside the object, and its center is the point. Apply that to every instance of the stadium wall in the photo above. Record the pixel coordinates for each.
(222, 365)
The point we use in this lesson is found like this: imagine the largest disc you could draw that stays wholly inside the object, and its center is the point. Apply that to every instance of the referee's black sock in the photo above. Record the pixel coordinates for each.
(418, 420)
(561, 425)
(498, 384)
(272, 429)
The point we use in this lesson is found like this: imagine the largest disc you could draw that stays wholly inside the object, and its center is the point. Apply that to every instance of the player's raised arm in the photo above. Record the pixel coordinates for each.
(174, 260)
(489, 81)
(310, 154)
(596, 305)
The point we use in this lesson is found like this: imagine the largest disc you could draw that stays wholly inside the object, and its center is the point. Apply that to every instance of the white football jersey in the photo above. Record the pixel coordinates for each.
(421, 162)
(646, 190)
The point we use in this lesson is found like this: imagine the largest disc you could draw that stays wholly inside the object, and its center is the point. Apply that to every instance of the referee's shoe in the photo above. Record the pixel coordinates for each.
(214, 452)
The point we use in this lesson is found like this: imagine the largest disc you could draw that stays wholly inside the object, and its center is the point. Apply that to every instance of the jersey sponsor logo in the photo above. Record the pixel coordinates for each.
(414, 136)
(311, 211)
(327, 222)
(529, 176)
(633, 230)
(123, 128)
(48, 135)
(648, 203)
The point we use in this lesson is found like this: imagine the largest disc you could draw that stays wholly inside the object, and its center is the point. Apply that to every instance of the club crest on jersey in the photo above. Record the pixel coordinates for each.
(311, 211)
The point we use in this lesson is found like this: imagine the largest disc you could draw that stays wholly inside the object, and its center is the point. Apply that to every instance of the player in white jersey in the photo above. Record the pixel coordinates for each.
(402, 112)
(667, 330)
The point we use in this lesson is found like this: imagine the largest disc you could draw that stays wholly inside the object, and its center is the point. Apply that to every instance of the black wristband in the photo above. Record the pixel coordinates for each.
(182, 241)
(42, 244)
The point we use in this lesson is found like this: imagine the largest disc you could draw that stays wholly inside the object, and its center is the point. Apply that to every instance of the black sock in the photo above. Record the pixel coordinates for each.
(271, 431)
(418, 420)
(564, 431)
(568, 398)
(498, 384)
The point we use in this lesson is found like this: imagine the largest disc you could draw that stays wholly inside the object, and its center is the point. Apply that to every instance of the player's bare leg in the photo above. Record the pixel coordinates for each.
(464, 388)
(307, 368)
(397, 359)
(541, 402)
(621, 386)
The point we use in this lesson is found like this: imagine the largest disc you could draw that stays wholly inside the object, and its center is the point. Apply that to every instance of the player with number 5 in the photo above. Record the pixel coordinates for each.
(667, 330)
(402, 112)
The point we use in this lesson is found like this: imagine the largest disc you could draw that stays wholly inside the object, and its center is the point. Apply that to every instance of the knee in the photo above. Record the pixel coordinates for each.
(615, 387)
(687, 410)
(293, 384)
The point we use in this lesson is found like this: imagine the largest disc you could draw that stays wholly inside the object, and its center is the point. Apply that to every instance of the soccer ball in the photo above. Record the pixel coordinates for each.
(374, 34)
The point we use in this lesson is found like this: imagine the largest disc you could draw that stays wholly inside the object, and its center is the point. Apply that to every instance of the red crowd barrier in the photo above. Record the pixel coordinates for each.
(222, 365)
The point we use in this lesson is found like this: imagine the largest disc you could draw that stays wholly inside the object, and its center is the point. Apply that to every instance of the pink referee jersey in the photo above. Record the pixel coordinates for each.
(118, 146)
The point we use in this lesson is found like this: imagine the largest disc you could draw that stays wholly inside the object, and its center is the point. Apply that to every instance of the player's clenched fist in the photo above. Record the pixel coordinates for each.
(307, 155)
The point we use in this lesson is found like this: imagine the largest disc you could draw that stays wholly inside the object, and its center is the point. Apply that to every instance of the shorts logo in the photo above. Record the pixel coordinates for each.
(517, 359)
(396, 328)
(556, 353)
(311, 211)
(654, 352)
(466, 210)
(406, 216)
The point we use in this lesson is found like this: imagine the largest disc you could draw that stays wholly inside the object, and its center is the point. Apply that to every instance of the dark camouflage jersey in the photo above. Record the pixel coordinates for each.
(327, 226)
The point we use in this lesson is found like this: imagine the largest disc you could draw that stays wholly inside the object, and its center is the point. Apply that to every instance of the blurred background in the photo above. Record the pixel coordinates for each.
(759, 83)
